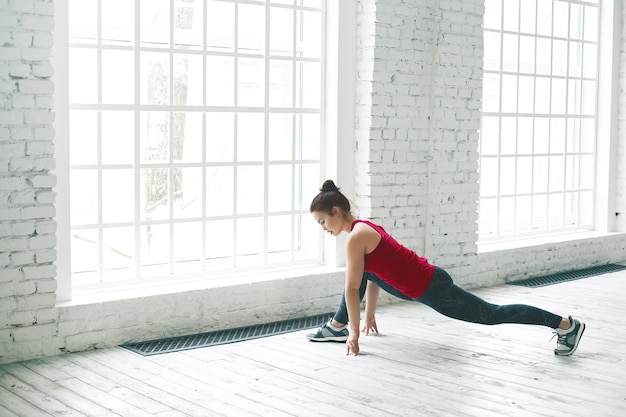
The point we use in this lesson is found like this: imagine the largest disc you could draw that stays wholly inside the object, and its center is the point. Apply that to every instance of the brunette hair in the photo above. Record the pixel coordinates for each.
(329, 197)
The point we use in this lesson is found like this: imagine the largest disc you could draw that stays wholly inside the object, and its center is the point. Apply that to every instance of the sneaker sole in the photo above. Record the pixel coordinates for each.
(580, 335)
(328, 339)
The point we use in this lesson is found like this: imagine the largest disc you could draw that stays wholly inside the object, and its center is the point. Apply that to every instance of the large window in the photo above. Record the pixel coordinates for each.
(194, 135)
(538, 133)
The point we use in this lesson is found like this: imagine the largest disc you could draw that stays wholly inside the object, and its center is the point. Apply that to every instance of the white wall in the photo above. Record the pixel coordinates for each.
(419, 72)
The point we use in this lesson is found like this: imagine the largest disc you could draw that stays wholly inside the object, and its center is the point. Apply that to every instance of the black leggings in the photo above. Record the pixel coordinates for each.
(448, 299)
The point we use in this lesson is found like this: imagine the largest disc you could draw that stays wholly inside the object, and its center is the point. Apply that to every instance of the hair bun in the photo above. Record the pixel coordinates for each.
(329, 186)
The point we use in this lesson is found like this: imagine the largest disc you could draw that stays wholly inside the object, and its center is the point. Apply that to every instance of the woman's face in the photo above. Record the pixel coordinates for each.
(331, 222)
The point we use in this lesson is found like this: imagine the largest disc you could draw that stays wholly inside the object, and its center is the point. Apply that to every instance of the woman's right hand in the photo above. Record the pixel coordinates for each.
(352, 344)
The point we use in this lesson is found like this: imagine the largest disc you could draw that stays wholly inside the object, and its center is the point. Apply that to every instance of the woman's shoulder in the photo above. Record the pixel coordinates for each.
(364, 235)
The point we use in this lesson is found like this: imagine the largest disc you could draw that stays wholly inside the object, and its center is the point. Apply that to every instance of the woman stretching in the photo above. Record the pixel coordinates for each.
(373, 255)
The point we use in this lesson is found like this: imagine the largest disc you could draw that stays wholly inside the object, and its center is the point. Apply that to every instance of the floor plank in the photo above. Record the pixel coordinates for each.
(421, 364)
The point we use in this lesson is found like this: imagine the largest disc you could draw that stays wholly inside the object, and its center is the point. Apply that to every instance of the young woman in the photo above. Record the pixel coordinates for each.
(373, 255)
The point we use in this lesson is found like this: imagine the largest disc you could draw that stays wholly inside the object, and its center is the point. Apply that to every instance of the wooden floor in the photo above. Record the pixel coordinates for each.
(421, 364)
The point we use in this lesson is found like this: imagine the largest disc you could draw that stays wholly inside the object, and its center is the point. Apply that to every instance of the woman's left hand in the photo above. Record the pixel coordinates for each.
(369, 325)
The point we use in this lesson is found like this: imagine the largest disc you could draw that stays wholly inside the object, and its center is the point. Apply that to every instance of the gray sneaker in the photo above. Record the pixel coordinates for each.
(568, 339)
(326, 334)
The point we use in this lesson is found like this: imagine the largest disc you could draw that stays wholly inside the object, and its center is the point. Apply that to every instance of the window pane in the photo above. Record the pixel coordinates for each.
(560, 21)
(510, 52)
(220, 81)
(219, 252)
(508, 138)
(589, 64)
(540, 212)
(279, 184)
(587, 135)
(492, 51)
(491, 92)
(83, 128)
(155, 136)
(188, 21)
(250, 137)
(559, 96)
(250, 190)
(187, 192)
(220, 137)
(557, 135)
(281, 31)
(524, 174)
(544, 17)
(493, 14)
(507, 176)
(154, 183)
(220, 26)
(219, 191)
(509, 93)
(555, 211)
(83, 23)
(85, 243)
(308, 27)
(542, 136)
(575, 59)
(187, 245)
(251, 28)
(528, 15)
(591, 24)
(308, 82)
(155, 78)
(84, 205)
(559, 58)
(540, 174)
(118, 195)
(542, 95)
(155, 23)
(307, 137)
(488, 177)
(489, 136)
(187, 137)
(526, 94)
(280, 136)
(118, 77)
(249, 241)
(511, 15)
(118, 22)
(506, 220)
(544, 56)
(187, 80)
(118, 252)
(83, 71)
(527, 54)
(556, 172)
(279, 238)
(525, 135)
(251, 82)
(155, 250)
(281, 83)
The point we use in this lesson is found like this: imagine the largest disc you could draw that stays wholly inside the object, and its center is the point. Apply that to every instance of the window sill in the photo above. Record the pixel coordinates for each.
(503, 245)
(150, 289)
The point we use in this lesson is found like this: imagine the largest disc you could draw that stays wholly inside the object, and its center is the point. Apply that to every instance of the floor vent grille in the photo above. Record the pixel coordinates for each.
(569, 276)
(176, 344)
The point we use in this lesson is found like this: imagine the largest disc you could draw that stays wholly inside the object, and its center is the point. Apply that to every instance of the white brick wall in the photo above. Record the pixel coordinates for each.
(417, 113)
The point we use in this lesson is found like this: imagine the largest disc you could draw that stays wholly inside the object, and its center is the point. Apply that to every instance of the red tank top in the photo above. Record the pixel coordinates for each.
(397, 265)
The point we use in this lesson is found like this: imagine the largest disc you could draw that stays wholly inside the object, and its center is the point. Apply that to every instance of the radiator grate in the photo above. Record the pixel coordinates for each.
(569, 276)
(176, 344)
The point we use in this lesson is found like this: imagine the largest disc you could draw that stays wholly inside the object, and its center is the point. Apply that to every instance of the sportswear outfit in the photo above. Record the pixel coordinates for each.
(404, 274)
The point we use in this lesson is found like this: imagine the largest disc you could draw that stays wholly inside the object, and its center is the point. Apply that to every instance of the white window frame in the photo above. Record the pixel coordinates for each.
(337, 123)
(600, 170)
